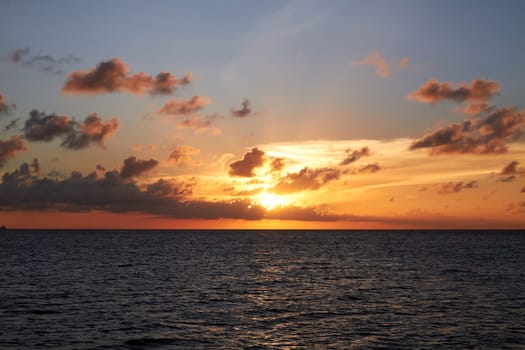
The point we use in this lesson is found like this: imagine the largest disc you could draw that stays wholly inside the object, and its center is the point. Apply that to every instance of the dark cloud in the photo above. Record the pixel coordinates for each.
(9, 148)
(434, 91)
(92, 131)
(6, 108)
(306, 179)
(511, 171)
(46, 127)
(134, 167)
(454, 187)
(46, 63)
(109, 191)
(244, 111)
(113, 76)
(181, 155)
(12, 124)
(353, 156)
(201, 125)
(369, 168)
(23, 174)
(477, 136)
(246, 166)
(183, 107)
(523, 190)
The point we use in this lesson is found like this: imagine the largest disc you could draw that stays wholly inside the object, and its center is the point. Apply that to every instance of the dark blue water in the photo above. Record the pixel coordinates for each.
(262, 290)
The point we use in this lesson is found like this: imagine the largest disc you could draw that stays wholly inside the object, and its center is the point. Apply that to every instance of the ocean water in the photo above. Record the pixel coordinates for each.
(262, 290)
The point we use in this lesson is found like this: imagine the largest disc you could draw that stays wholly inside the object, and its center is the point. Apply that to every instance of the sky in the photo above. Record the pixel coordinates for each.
(262, 114)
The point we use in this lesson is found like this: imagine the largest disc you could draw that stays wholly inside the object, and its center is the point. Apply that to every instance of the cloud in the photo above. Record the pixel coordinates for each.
(474, 109)
(511, 171)
(6, 108)
(113, 76)
(306, 179)
(369, 168)
(244, 111)
(92, 130)
(182, 155)
(353, 156)
(12, 124)
(43, 127)
(111, 192)
(200, 125)
(246, 166)
(455, 187)
(17, 55)
(523, 190)
(182, 107)
(47, 63)
(403, 64)
(375, 59)
(24, 173)
(433, 91)
(277, 164)
(9, 148)
(134, 167)
(476, 136)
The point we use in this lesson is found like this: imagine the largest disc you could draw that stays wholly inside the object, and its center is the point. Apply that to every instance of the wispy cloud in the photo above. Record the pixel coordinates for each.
(44, 62)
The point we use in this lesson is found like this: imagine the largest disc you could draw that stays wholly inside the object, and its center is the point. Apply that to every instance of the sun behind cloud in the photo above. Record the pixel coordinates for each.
(270, 201)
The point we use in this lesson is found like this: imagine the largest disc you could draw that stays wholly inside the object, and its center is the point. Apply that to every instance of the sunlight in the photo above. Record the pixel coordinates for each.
(270, 201)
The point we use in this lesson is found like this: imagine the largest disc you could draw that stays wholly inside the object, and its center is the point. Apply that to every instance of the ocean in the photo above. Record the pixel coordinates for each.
(262, 289)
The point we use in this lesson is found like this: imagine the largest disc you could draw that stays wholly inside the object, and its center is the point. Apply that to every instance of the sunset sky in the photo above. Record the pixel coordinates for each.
(262, 114)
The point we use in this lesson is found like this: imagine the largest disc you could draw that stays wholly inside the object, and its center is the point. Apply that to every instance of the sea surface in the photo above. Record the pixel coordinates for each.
(262, 290)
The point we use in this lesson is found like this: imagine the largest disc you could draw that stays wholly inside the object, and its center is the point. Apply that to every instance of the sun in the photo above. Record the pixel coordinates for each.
(270, 201)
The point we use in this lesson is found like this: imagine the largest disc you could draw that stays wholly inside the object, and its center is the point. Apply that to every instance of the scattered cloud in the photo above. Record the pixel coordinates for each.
(201, 125)
(9, 148)
(476, 136)
(403, 64)
(44, 62)
(474, 109)
(433, 91)
(92, 130)
(369, 168)
(353, 156)
(277, 164)
(46, 127)
(244, 111)
(306, 179)
(12, 124)
(6, 108)
(181, 155)
(134, 167)
(183, 107)
(114, 76)
(246, 166)
(511, 171)
(455, 187)
(375, 59)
